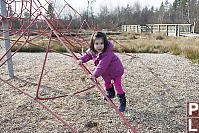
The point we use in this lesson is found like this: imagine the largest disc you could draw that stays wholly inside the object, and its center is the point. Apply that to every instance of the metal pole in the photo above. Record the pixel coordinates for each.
(6, 37)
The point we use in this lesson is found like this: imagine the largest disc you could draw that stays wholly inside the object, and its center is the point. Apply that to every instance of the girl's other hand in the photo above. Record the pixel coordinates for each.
(79, 62)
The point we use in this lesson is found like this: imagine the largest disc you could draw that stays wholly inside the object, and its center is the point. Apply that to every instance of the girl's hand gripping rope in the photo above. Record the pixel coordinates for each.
(79, 62)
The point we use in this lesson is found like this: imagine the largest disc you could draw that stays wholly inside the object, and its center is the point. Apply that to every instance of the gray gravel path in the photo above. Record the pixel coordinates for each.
(157, 87)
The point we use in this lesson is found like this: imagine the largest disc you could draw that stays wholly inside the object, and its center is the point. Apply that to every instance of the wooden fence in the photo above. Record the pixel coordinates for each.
(169, 29)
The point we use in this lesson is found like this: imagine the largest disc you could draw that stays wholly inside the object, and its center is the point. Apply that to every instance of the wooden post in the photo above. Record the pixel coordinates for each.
(131, 28)
(178, 30)
(190, 28)
(194, 25)
(151, 28)
(6, 37)
(137, 28)
(167, 30)
(140, 29)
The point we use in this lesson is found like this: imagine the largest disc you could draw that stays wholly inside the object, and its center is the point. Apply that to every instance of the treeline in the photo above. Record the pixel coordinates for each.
(180, 11)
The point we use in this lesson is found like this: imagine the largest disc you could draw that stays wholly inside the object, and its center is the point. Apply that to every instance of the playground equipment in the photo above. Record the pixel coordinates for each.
(29, 20)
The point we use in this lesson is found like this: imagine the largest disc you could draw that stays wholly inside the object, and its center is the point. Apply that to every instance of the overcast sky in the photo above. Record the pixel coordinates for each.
(82, 4)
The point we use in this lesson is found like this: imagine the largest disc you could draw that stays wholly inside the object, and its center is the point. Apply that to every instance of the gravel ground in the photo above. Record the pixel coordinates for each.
(157, 87)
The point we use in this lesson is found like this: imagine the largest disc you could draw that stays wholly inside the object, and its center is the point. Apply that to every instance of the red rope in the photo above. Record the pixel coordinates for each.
(42, 25)
(18, 38)
(69, 94)
(42, 71)
(87, 72)
(12, 54)
(45, 107)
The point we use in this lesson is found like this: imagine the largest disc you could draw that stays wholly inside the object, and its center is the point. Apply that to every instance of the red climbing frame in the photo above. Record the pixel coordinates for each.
(35, 22)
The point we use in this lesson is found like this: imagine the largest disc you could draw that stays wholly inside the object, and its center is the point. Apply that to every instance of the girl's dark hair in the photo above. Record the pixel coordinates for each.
(98, 35)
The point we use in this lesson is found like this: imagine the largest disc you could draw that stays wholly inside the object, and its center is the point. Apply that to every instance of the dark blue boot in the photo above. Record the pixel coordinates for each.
(110, 93)
(122, 102)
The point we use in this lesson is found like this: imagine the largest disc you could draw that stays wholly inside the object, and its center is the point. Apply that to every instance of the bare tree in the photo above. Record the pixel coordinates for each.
(90, 10)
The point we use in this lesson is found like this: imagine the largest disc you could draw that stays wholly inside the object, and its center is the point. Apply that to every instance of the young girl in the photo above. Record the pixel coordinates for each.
(108, 65)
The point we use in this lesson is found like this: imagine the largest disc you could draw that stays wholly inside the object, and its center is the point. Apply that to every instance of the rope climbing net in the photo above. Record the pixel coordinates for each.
(27, 21)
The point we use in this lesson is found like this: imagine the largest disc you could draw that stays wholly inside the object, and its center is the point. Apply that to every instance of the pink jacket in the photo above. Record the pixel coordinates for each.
(108, 64)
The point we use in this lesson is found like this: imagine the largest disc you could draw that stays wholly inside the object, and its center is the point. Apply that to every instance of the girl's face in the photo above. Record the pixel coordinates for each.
(99, 44)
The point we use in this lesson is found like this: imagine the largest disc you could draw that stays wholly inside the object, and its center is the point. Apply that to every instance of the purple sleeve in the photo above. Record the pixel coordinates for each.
(87, 56)
(103, 65)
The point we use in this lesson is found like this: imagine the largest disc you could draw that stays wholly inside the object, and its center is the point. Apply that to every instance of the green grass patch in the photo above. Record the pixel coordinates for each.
(28, 49)
(159, 37)
(192, 53)
(55, 45)
(175, 49)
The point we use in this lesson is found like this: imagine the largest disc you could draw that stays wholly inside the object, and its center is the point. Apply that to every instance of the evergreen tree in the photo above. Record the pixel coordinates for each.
(50, 13)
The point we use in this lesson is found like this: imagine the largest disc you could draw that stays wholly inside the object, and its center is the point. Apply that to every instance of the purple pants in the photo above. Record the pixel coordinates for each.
(117, 84)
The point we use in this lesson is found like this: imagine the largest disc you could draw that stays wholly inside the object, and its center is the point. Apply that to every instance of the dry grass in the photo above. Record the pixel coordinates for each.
(159, 43)
(139, 43)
